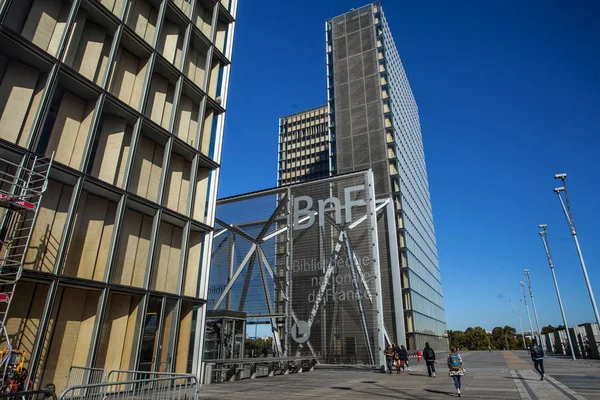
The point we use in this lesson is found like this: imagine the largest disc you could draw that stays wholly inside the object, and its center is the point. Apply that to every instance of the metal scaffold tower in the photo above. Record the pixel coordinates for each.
(21, 189)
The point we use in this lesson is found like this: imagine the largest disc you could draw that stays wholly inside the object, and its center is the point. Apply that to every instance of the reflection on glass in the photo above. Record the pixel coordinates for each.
(151, 324)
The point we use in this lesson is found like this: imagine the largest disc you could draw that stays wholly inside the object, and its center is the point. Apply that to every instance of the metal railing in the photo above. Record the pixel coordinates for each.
(79, 376)
(218, 370)
(171, 387)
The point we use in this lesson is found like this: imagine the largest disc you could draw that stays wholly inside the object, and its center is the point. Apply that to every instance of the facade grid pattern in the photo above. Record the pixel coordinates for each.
(374, 123)
(303, 146)
(130, 96)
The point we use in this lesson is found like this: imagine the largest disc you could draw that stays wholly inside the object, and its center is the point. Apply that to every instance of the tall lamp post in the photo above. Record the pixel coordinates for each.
(544, 236)
(519, 316)
(566, 206)
(527, 307)
(537, 321)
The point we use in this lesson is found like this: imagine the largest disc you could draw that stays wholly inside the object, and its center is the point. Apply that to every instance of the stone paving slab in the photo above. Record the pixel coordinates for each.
(489, 377)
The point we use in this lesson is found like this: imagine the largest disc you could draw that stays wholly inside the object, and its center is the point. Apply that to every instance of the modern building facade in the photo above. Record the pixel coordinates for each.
(303, 261)
(130, 96)
(374, 123)
(303, 146)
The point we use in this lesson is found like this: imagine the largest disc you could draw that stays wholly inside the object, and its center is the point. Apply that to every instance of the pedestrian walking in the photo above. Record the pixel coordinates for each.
(429, 356)
(397, 362)
(455, 365)
(404, 357)
(537, 356)
(490, 348)
(389, 357)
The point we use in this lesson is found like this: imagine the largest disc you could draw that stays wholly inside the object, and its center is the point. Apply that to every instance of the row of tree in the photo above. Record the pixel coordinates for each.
(499, 339)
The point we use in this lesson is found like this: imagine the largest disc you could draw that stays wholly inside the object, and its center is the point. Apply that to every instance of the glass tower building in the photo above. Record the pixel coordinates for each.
(130, 97)
(374, 123)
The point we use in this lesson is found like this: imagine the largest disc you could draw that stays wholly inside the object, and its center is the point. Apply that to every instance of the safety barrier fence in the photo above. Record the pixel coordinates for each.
(217, 371)
(174, 387)
(79, 376)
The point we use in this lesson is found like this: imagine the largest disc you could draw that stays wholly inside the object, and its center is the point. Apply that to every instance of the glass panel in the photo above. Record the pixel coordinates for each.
(128, 78)
(21, 92)
(160, 101)
(238, 340)
(168, 258)
(196, 61)
(200, 202)
(207, 132)
(88, 48)
(221, 35)
(72, 327)
(114, 6)
(171, 42)
(42, 22)
(185, 343)
(120, 332)
(47, 234)
(67, 128)
(203, 19)
(24, 316)
(142, 19)
(178, 184)
(111, 150)
(184, 5)
(147, 169)
(132, 255)
(150, 333)
(214, 86)
(187, 120)
(88, 251)
(166, 349)
(192, 274)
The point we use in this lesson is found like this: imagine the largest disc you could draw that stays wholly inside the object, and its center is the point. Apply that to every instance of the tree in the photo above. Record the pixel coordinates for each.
(498, 338)
(551, 329)
(477, 338)
(457, 339)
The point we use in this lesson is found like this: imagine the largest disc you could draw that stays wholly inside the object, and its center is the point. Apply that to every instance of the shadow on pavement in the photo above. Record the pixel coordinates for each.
(440, 392)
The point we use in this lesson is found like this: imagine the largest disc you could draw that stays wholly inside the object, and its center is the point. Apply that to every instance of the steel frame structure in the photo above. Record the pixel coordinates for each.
(279, 225)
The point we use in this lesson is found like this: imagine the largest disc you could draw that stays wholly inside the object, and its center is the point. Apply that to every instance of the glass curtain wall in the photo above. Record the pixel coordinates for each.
(129, 97)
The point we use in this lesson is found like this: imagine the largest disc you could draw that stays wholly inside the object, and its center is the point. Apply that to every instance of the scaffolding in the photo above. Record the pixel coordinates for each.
(21, 189)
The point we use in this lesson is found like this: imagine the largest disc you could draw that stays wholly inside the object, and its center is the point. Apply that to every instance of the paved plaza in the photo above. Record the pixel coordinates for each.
(496, 375)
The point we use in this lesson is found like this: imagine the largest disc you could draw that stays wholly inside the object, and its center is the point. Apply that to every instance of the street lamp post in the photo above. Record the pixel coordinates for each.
(520, 324)
(566, 206)
(537, 321)
(544, 236)
(527, 307)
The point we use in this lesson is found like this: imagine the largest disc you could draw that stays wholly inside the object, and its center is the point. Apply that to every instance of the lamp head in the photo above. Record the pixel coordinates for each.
(560, 176)
(559, 189)
(542, 226)
(522, 283)
(526, 271)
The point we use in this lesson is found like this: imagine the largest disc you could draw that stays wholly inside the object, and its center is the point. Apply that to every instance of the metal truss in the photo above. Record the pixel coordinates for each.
(256, 255)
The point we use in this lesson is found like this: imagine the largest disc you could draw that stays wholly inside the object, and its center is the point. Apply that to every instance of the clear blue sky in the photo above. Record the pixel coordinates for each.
(508, 95)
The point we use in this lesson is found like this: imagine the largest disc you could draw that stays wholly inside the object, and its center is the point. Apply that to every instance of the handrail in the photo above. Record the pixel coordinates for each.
(147, 373)
(138, 389)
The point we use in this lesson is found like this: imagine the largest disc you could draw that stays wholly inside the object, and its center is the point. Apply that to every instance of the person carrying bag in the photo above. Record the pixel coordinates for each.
(455, 365)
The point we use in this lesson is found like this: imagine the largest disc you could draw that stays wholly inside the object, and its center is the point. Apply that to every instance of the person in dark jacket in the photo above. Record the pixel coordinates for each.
(429, 356)
(389, 357)
(403, 355)
(537, 356)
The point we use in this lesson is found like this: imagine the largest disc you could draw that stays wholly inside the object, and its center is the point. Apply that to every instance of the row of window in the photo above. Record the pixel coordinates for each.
(134, 332)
